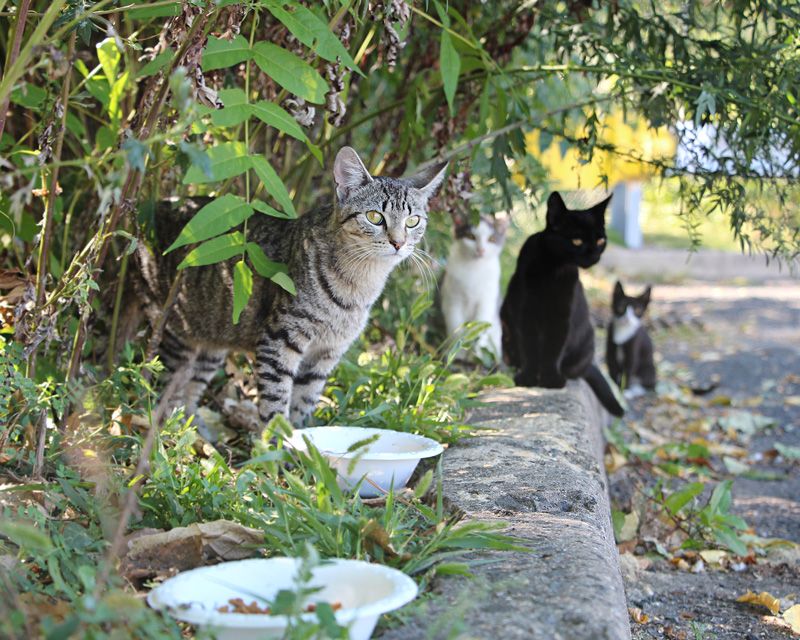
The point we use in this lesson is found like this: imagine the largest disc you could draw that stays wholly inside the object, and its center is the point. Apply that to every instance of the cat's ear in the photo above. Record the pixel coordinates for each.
(460, 219)
(349, 172)
(598, 211)
(429, 179)
(645, 297)
(619, 293)
(555, 209)
(501, 222)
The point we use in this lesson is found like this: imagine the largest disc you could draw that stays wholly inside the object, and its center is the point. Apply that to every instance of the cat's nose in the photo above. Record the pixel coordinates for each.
(397, 244)
(480, 251)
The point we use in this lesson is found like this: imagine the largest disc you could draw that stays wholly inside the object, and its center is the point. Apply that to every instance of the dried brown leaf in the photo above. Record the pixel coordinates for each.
(763, 599)
(637, 615)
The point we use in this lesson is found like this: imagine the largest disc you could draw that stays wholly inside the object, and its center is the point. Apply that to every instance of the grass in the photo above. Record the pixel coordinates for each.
(62, 581)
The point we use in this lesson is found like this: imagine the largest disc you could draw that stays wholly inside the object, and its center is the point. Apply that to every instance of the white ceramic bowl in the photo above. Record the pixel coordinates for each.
(387, 462)
(365, 591)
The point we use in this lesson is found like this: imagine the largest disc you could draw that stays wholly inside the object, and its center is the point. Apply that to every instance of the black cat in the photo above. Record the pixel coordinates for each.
(629, 349)
(547, 332)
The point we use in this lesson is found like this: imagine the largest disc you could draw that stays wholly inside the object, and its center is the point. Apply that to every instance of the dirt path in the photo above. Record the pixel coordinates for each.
(750, 349)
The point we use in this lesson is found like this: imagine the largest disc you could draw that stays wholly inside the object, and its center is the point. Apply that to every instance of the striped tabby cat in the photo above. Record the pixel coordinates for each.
(339, 257)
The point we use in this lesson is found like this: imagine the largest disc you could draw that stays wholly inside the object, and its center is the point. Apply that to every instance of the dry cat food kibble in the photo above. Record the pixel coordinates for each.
(237, 605)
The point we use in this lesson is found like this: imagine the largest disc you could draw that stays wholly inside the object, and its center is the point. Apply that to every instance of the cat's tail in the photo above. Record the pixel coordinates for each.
(602, 390)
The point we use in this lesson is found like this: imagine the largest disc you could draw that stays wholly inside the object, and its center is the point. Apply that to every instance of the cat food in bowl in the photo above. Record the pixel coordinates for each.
(231, 599)
(387, 462)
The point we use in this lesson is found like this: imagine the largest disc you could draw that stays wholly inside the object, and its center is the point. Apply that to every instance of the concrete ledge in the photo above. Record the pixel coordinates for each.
(540, 470)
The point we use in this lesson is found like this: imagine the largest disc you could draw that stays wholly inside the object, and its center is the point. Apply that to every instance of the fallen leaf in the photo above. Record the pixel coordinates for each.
(735, 467)
(792, 616)
(185, 548)
(630, 526)
(792, 400)
(713, 556)
(230, 540)
(614, 460)
(745, 422)
(763, 599)
(787, 451)
(637, 615)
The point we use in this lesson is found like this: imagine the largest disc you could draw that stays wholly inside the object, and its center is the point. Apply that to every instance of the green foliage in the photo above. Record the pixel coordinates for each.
(711, 524)
(403, 390)
(301, 503)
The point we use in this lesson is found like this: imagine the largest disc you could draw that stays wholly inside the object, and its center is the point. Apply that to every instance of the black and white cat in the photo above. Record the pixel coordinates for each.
(629, 349)
(471, 284)
(548, 334)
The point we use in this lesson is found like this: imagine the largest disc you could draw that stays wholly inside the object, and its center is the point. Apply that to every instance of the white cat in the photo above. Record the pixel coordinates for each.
(471, 284)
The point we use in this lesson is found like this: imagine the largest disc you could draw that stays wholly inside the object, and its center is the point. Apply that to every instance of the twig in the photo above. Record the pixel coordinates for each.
(44, 251)
(158, 329)
(491, 135)
(12, 58)
(112, 338)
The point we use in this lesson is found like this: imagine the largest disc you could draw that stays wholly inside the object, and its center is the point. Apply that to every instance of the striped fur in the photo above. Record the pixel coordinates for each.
(339, 261)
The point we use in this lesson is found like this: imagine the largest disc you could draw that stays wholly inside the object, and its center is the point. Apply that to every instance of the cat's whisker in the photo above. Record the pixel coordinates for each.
(425, 271)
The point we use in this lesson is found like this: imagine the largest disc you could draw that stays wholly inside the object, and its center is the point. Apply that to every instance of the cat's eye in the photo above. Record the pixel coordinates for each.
(577, 242)
(412, 221)
(601, 242)
(374, 217)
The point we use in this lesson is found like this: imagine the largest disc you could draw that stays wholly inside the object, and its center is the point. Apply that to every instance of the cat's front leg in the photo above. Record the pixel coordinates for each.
(310, 382)
(278, 359)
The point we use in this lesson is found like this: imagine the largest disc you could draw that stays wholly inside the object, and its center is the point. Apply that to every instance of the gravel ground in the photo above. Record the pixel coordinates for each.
(749, 345)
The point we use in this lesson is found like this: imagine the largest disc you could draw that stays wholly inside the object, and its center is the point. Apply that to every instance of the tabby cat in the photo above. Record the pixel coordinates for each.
(471, 283)
(547, 331)
(629, 349)
(339, 257)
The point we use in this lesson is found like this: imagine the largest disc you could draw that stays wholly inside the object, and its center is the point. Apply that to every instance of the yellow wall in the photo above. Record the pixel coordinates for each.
(569, 172)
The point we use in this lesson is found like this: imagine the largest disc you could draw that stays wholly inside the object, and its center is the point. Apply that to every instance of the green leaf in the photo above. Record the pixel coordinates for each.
(720, 501)
(236, 110)
(226, 160)
(273, 115)
(214, 251)
(309, 29)
(218, 216)
(265, 267)
(273, 184)
(449, 65)
(28, 95)
(156, 64)
(453, 569)
(292, 73)
(242, 288)
(25, 536)
(152, 12)
(728, 538)
(263, 207)
(220, 53)
(679, 499)
(284, 282)
(115, 96)
(109, 57)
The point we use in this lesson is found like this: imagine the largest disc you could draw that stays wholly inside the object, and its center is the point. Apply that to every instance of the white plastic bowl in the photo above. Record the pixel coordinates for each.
(365, 591)
(387, 462)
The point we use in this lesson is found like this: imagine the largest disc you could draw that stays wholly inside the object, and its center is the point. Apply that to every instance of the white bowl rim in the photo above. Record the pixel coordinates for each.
(432, 448)
(404, 592)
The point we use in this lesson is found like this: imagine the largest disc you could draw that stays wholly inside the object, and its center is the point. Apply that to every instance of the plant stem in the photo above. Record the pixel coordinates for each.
(44, 252)
(19, 30)
(112, 339)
